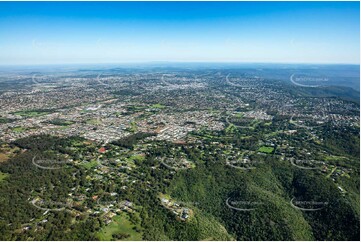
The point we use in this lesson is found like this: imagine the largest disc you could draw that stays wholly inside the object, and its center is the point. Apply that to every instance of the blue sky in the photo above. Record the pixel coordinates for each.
(118, 32)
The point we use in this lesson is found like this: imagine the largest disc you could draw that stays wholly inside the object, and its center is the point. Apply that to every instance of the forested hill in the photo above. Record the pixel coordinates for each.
(226, 203)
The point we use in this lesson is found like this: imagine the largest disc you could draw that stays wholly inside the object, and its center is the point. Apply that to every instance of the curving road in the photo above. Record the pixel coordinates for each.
(302, 167)
(46, 209)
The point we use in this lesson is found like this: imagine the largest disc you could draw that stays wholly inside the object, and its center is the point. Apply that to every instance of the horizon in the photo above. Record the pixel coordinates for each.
(182, 62)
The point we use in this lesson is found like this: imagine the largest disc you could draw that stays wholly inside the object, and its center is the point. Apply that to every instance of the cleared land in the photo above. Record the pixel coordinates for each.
(119, 225)
(266, 149)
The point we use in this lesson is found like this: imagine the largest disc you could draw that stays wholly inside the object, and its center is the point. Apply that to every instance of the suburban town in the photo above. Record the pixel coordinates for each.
(139, 132)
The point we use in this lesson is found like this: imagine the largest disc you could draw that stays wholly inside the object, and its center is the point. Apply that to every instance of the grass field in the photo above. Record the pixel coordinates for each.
(332, 171)
(166, 196)
(91, 164)
(19, 129)
(137, 158)
(230, 128)
(7, 152)
(78, 143)
(133, 127)
(266, 149)
(239, 115)
(3, 157)
(120, 224)
(93, 121)
(158, 105)
(334, 158)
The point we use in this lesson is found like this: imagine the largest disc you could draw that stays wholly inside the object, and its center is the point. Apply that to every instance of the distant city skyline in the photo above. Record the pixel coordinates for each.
(34, 33)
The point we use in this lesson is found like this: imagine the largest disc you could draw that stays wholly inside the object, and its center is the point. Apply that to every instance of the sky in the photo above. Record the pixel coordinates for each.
(120, 32)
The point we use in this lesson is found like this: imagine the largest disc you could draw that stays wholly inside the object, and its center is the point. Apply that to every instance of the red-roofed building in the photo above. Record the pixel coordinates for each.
(102, 150)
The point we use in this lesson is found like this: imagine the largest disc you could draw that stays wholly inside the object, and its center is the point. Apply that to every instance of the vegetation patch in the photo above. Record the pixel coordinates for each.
(61, 122)
(158, 105)
(7, 152)
(121, 228)
(5, 120)
(133, 127)
(19, 129)
(138, 157)
(33, 113)
(90, 164)
(129, 141)
(93, 121)
(266, 149)
(3, 176)
(231, 128)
